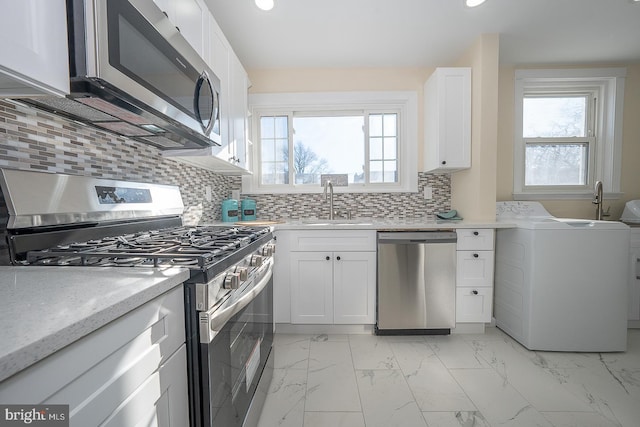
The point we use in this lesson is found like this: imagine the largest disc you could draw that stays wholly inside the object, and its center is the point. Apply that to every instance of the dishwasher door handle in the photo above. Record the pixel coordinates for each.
(416, 238)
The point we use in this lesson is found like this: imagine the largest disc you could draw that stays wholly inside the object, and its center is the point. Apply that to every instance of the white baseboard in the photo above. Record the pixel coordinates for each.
(288, 328)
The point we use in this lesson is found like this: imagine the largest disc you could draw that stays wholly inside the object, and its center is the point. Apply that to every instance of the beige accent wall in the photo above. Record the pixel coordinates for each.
(630, 179)
(473, 191)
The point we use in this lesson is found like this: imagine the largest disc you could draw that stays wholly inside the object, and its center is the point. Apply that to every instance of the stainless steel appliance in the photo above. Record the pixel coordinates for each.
(71, 221)
(134, 74)
(416, 282)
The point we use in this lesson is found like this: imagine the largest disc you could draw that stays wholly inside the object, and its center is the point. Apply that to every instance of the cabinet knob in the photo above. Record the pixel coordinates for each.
(444, 162)
(474, 292)
(328, 258)
(338, 258)
(475, 233)
(476, 255)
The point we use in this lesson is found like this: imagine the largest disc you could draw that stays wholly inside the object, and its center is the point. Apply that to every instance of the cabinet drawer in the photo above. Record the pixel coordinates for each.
(473, 304)
(333, 240)
(475, 239)
(474, 268)
(96, 373)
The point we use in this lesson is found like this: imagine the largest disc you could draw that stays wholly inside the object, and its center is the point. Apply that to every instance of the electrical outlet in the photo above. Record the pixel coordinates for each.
(207, 193)
(428, 193)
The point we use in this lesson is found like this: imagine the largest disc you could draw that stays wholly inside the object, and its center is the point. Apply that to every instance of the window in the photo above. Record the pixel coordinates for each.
(568, 132)
(370, 138)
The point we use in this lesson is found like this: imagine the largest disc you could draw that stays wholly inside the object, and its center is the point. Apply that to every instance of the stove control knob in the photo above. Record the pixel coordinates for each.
(256, 261)
(267, 250)
(243, 273)
(232, 281)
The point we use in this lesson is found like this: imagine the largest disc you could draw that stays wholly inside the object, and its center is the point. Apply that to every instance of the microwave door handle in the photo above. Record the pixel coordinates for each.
(204, 78)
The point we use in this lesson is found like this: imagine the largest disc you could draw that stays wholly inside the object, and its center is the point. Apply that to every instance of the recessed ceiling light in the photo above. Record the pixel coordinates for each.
(264, 4)
(473, 3)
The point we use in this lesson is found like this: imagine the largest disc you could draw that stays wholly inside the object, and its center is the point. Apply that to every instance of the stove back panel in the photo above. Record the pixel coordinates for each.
(38, 199)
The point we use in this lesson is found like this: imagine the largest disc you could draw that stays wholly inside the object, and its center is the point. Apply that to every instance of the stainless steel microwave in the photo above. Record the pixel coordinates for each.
(134, 74)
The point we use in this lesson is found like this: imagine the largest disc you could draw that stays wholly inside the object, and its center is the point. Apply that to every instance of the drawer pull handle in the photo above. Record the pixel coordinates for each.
(476, 255)
(474, 292)
(475, 233)
(338, 258)
(328, 258)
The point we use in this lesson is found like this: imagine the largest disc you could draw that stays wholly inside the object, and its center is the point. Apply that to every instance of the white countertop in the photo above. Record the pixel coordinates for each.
(386, 224)
(43, 309)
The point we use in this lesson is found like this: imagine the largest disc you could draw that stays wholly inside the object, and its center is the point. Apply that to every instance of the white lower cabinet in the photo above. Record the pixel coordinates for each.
(331, 277)
(634, 275)
(130, 372)
(474, 275)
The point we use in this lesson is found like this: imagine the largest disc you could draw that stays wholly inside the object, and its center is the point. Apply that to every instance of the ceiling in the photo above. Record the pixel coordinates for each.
(427, 33)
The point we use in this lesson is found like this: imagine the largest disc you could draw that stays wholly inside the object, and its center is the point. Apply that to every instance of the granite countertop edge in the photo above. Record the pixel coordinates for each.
(387, 225)
(17, 355)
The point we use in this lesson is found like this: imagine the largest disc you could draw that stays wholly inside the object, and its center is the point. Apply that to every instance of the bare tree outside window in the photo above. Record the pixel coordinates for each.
(555, 131)
(307, 166)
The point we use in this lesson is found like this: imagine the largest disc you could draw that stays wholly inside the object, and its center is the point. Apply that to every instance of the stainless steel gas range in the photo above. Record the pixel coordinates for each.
(65, 220)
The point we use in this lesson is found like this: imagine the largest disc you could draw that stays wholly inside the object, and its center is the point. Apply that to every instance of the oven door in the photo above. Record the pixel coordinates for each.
(238, 337)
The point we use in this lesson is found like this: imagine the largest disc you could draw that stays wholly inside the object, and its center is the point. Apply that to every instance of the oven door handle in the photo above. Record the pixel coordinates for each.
(220, 317)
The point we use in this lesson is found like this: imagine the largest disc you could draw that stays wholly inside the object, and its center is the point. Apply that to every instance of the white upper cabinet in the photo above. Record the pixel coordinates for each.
(447, 124)
(34, 57)
(191, 17)
(230, 157)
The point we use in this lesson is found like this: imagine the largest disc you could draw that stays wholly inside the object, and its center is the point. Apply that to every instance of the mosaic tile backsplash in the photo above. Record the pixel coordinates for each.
(31, 139)
(368, 205)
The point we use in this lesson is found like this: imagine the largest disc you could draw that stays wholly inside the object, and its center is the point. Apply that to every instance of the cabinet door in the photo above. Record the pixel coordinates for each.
(160, 401)
(447, 98)
(238, 93)
(218, 60)
(354, 287)
(634, 285)
(474, 268)
(191, 19)
(473, 305)
(33, 54)
(311, 287)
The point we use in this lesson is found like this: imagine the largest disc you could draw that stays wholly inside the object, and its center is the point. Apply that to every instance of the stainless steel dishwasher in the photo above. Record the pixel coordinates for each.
(416, 287)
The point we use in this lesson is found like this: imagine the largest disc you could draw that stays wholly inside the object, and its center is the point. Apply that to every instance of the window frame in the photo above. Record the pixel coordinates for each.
(402, 103)
(604, 146)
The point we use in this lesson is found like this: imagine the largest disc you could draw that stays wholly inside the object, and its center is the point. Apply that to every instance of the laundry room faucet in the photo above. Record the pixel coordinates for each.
(597, 200)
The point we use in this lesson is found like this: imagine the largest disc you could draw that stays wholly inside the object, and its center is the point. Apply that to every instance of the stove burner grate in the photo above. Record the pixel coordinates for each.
(193, 247)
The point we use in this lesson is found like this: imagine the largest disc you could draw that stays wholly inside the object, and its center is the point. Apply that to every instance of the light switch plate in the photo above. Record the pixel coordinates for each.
(428, 193)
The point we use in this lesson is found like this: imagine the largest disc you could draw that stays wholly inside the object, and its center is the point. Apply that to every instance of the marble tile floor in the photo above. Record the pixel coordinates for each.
(445, 381)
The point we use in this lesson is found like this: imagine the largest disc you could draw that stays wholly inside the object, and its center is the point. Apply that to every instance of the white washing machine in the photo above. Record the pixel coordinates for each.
(561, 284)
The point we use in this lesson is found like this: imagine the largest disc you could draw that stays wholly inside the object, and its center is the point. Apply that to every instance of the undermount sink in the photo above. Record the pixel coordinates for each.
(338, 221)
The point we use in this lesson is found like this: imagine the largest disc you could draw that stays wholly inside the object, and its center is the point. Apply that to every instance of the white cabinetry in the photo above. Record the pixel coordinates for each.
(33, 53)
(191, 18)
(130, 372)
(331, 277)
(447, 127)
(474, 275)
(634, 275)
(231, 156)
